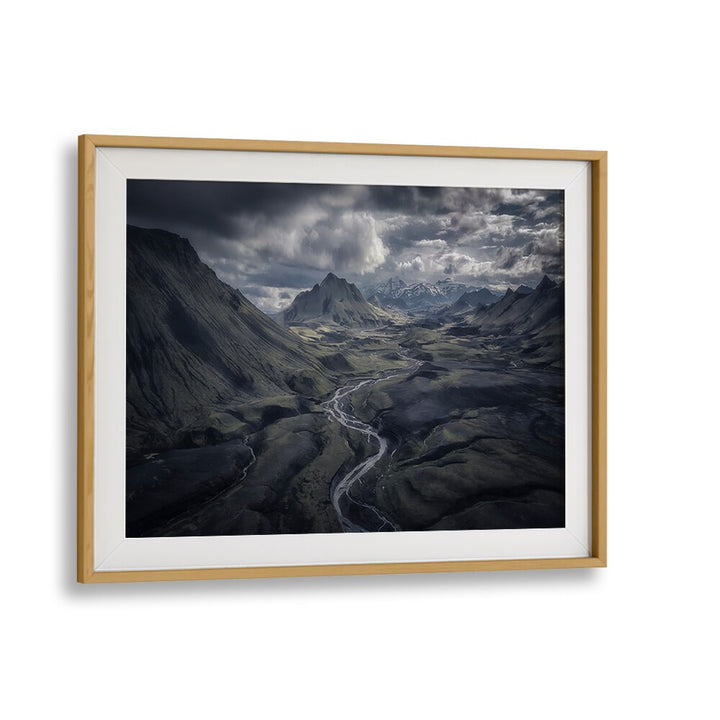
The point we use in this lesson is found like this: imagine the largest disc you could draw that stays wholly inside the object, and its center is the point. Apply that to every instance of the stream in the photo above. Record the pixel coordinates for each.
(354, 515)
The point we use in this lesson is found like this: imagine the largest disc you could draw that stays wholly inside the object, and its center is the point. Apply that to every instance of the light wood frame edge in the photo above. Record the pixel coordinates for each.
(86, 358)
(87, 145)
(599, 359)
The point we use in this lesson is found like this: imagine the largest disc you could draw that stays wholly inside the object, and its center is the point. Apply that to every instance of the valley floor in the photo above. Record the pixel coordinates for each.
(473, 428)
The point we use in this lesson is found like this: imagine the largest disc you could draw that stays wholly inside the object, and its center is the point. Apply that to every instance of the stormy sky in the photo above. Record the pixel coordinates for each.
(271, 240)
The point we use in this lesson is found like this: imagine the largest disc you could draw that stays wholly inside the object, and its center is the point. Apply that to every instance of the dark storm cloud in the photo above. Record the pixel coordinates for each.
(285, 276)
(211, 207)
(273, 239)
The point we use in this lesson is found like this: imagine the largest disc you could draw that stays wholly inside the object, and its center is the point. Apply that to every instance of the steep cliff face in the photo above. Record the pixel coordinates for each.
(334, 301)
(195, 344)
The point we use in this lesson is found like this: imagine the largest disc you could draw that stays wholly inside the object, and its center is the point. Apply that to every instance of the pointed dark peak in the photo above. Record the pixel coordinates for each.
(330, 278)
(508, 293)
(335, 300)
(523, 290)
(545, 284)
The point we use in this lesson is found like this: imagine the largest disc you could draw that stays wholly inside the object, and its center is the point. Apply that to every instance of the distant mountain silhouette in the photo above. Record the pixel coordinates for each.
(337, 301)
(194, 344)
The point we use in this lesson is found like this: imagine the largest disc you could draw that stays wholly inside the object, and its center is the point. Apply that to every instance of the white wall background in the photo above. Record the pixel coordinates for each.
(637, 639)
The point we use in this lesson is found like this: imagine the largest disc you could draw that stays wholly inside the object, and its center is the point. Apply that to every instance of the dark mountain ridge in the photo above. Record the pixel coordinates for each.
(519, 313)
(473, 298)
(194, 344)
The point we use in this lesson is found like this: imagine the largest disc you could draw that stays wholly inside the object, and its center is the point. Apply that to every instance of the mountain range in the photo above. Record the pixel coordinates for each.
(227, 429)
(396, 293)
(538, 312)
(197, 348)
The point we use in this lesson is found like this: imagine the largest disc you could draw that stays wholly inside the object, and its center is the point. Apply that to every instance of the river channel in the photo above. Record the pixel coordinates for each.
(355, 515)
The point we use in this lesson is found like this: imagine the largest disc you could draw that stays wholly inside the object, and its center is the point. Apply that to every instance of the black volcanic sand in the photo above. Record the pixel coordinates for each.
(474, 448)
(476, 439)
(222, 491)
(170, 482)
(214, 490)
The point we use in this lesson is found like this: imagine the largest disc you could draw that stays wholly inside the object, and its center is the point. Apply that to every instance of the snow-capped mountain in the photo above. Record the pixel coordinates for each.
(396, 293)
(391, 288)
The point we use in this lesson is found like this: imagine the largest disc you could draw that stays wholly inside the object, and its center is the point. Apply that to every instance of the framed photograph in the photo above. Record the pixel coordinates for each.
(326, 359)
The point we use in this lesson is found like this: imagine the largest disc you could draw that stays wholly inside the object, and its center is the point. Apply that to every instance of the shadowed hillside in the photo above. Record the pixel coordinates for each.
(195, 344)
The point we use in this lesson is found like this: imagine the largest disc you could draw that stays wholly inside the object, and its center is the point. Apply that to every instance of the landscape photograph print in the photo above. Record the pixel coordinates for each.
(327, 358)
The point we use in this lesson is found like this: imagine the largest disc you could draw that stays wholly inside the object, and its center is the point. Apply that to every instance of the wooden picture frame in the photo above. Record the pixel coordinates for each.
(95, 213)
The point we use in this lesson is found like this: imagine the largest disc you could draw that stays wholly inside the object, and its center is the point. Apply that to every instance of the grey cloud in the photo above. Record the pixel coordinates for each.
(272, 239)
(507, 258)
